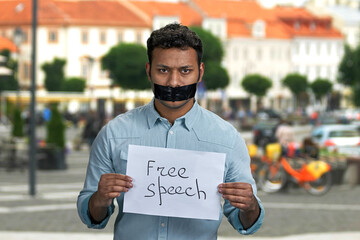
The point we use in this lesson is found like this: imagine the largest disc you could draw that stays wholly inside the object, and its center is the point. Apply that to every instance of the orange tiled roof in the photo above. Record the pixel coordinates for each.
(7, 44)
(187, 15)
(300, 22)
(78, 12)
(241, 14)
(248, 10)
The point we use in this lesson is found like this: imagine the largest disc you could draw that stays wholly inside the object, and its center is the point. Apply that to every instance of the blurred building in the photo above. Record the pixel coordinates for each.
(271, 41)
(345, 15)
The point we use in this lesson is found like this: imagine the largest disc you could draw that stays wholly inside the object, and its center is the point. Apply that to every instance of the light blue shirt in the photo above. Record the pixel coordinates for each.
(199, 130)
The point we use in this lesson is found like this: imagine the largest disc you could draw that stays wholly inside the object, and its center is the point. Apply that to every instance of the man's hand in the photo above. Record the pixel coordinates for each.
(241, 196)
(110, 186)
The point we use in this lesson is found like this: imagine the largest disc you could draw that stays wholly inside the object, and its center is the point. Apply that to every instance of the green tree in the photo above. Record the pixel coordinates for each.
(9, 82)
(215, 76)
(18, 124)
(321, 87)
(54, 74)
(256, 84)
(297, 84)
(55, 128)
(349, 66)
(74, 84)
(349, 72)
(126, 64)
(212, 48)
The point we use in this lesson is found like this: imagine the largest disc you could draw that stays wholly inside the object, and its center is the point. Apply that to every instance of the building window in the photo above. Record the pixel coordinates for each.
(25, 36)
(138, 37)
(319, 49)
(53, 36)
(104, 73)
(272, 53)
(245, 53)
(329, 48)
(236, 53)
(312, 26)
(120, 37)
(258, 29)
(26, 71)
(297, 25)
(85, 70)
(259, 54)
(102, 37)
(84, 37)
(308, 48)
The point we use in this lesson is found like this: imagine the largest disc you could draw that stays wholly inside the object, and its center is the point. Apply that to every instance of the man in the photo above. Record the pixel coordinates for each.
(173, 119)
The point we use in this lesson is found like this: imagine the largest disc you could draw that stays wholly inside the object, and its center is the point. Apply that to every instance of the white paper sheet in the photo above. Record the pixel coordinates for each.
(176, 183)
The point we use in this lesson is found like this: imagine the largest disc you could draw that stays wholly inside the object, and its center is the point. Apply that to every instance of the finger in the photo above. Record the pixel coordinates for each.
(117, 189)
(236, 192)
(116, 176)
(237, 199)
(237, 185)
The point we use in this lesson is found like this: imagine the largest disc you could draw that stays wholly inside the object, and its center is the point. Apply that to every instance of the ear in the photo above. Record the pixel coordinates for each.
(202, 69)
(148, 69)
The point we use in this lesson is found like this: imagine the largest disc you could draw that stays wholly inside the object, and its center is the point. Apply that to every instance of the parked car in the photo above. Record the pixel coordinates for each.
(336, 136)
(267, 113)
(264, 132)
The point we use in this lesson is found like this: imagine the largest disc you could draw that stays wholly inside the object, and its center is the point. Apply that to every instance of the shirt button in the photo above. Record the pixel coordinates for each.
(163, 224)
(171, 132)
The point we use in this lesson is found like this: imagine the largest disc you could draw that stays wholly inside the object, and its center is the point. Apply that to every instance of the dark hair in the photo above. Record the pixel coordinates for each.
(174, 35)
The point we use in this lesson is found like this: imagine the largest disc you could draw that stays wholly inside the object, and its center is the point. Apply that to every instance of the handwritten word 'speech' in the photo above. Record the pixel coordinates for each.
(158, 189)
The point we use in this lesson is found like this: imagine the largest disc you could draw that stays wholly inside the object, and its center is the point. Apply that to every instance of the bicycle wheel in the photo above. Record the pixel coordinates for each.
(320, 186)
(271, 178)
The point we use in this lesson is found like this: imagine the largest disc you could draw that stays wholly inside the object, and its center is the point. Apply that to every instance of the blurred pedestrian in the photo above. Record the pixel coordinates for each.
(285, 136)
(174, 70)
(313, 118)
(93, 124)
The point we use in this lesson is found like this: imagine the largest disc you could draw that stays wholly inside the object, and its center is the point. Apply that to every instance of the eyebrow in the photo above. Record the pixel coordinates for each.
(165, 66)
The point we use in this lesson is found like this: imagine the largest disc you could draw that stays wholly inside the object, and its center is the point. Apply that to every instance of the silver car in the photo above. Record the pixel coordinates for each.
(339, 136)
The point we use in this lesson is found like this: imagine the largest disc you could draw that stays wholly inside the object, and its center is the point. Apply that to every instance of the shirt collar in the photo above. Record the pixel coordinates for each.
(189, 118)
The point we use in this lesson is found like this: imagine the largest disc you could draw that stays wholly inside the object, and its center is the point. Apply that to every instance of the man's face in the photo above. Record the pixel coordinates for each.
(174, 67)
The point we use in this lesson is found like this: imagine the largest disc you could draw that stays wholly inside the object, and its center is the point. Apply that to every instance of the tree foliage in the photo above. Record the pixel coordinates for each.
(54, 74)
(212, 48)
(321, 87)
(349, 72)
(349, 67)
(256, 84)
(126, 64)
(74, 84)
(215, 75)
(18, 124)
(297, 83)
(9, 82)
(56, 128)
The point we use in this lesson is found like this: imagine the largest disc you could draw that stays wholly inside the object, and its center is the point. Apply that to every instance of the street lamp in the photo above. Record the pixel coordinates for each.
(18, 39)
(90, 63)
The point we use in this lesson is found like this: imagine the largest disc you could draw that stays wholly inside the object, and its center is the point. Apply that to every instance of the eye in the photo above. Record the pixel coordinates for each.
(185, 70)
(162, 70)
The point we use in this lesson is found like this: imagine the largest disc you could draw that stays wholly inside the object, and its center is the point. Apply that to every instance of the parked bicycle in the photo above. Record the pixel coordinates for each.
(312, 175)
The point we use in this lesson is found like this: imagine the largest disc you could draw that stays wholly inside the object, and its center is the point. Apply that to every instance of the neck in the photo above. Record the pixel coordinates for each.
(171, 114)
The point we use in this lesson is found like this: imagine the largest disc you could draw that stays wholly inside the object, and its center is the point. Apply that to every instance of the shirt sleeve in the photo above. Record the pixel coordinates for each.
(99, 163)
(238, 170)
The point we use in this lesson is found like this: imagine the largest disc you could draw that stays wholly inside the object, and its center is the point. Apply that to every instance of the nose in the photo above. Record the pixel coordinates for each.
(174, 79)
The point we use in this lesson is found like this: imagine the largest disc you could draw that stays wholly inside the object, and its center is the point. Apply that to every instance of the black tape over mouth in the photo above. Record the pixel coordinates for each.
(174, 93)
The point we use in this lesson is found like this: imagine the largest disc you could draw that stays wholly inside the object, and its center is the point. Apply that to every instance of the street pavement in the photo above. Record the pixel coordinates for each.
(52, 214)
